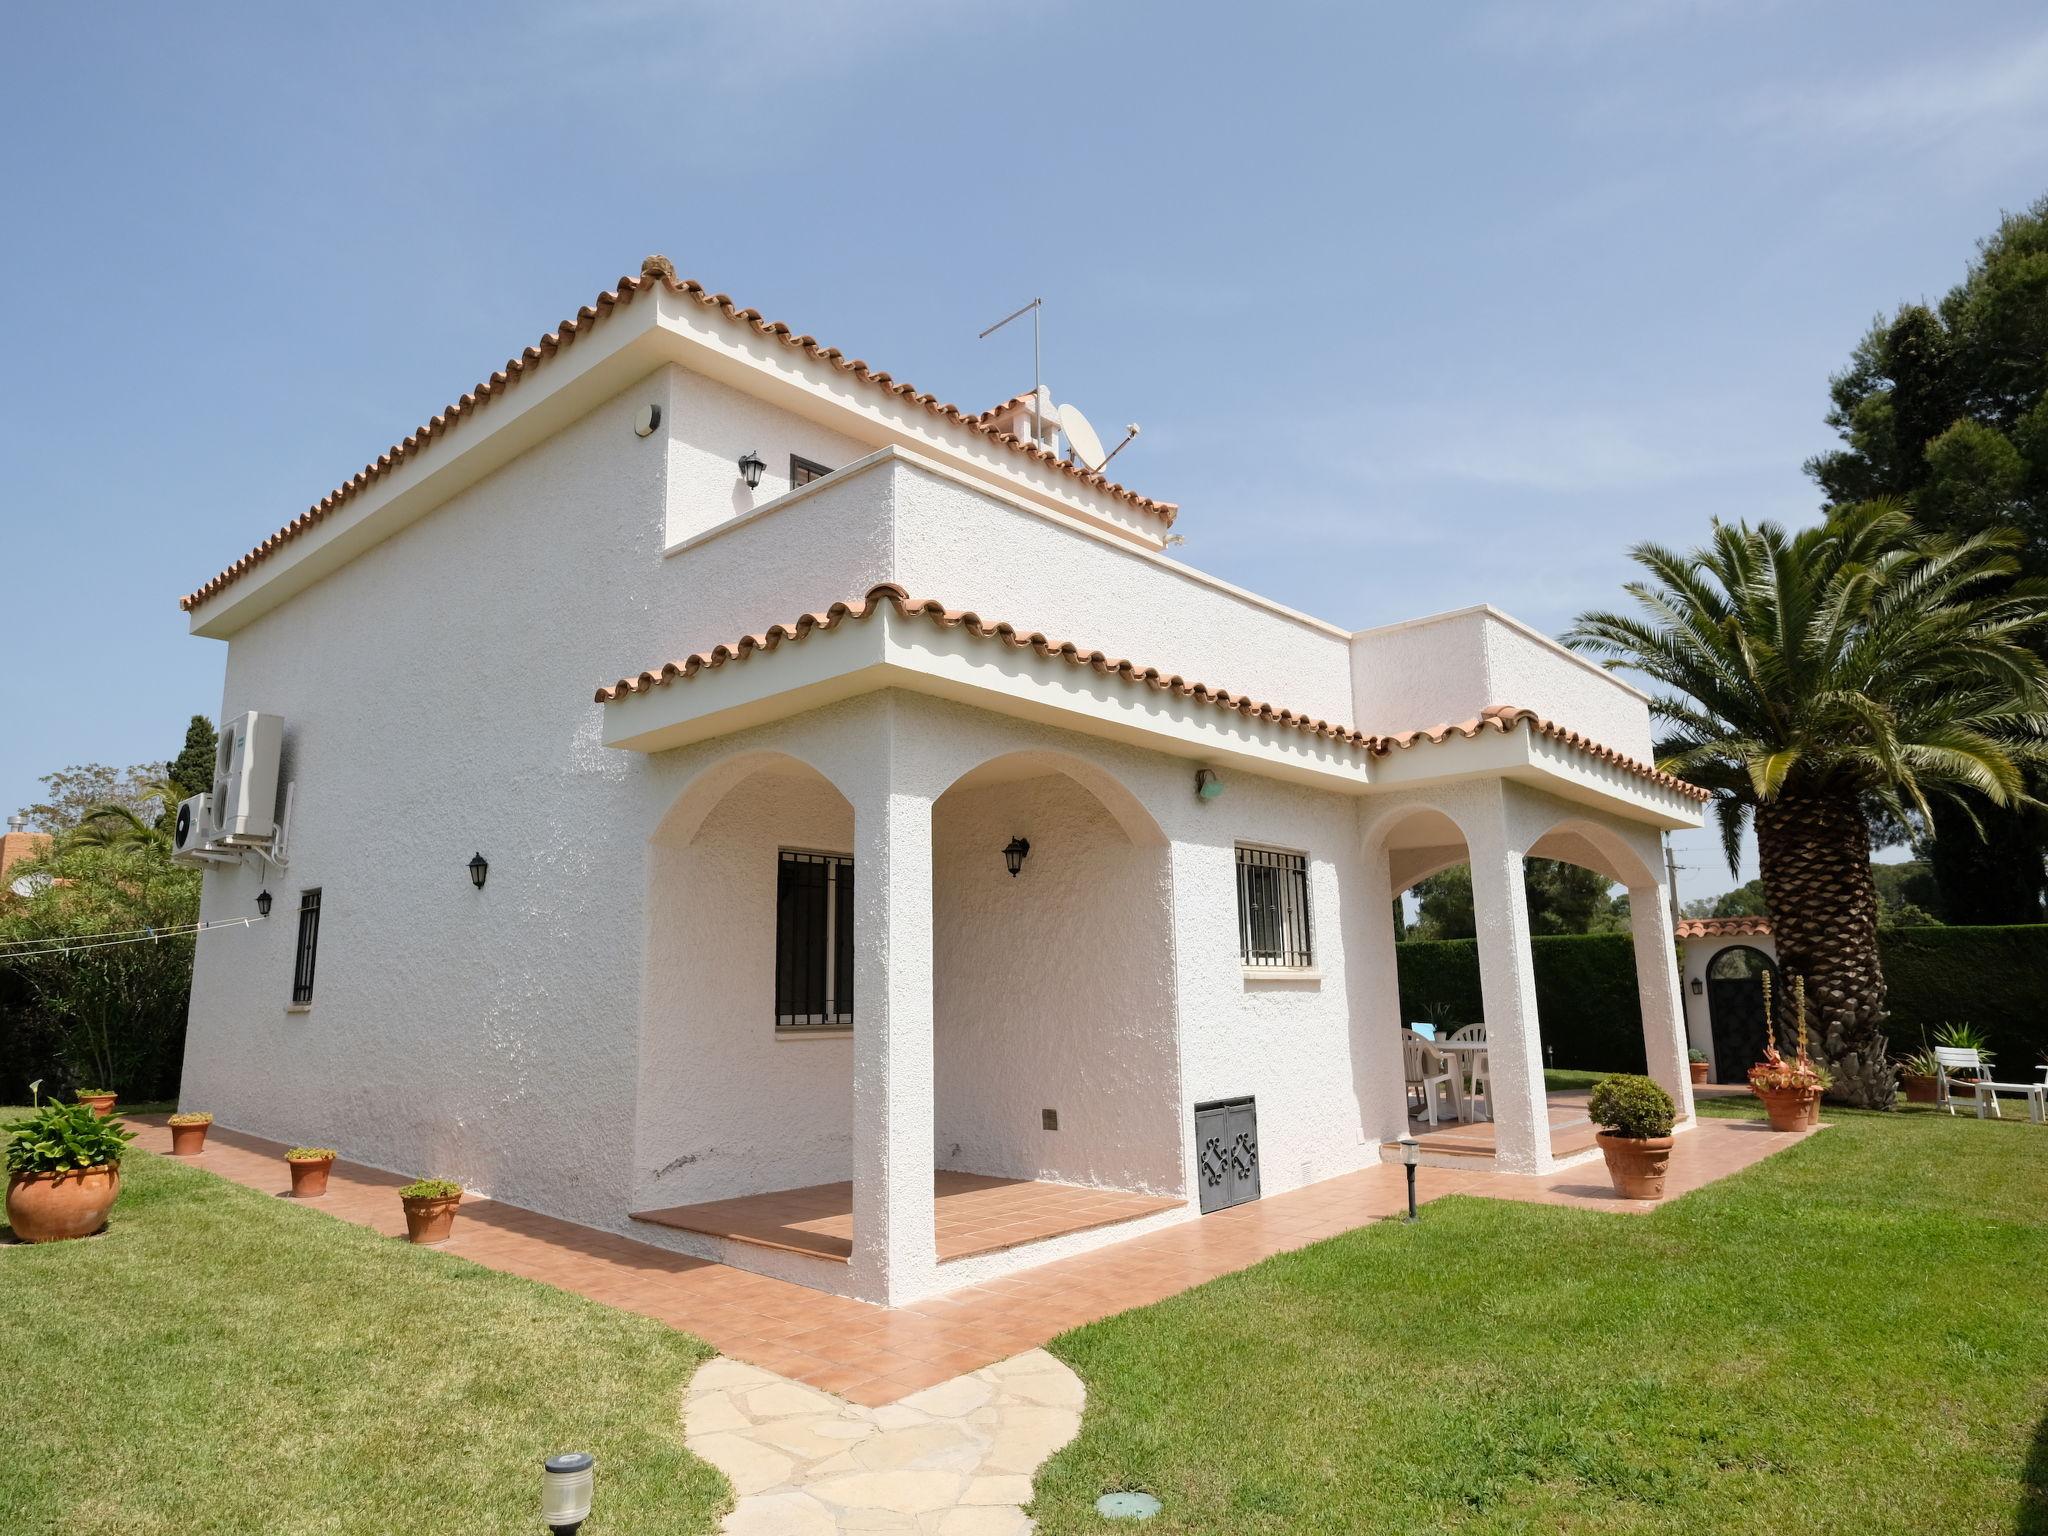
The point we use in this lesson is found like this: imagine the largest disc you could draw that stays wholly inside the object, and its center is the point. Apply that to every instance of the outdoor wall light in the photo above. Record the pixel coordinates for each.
(751, 466)
(263, 903)
(479, 866)
(565, 1487)
(1013, 855)
(1208, 784)
(1698, 986)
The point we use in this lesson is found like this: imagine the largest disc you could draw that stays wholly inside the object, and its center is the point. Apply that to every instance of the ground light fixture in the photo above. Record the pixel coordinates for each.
(1208, 784)
(1013, 855)
(566, 1482)
(1410, 1147)
(1127, 1505)
(751, 467)
(479, 868)
(263, 903)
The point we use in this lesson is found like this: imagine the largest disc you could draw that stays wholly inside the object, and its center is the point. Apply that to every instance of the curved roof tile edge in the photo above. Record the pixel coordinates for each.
(1505, 717)
(1724, 928)
(655, 269)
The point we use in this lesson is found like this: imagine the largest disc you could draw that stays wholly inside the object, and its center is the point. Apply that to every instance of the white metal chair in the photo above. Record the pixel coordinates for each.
(1427, 1073)
(1951, 1059)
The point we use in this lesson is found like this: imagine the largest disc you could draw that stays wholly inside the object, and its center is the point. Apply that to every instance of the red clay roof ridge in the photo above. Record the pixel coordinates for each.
(1506, 717)
(654, 270)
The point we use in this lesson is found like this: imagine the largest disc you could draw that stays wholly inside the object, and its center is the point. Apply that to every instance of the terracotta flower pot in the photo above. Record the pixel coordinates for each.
(189, 1140)
(1791, 1109)
(309, 1177)
(49, 1207)
(1636, 1164)
(1699, 1071)
(1921, 1090)
(102, 1103)
(430, 1219)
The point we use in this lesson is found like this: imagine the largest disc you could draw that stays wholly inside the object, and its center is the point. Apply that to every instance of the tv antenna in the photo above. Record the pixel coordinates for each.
(1033, 309)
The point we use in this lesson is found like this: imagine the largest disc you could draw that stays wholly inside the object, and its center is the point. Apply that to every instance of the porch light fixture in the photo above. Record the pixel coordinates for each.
(751, 467)
(1208, 784)
(566, 1483)
(479, 867)
(1013, 855)
(263, 903)
(1698, 986)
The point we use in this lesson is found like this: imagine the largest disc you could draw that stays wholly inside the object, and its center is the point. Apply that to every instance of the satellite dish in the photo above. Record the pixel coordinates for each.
(1081, 437)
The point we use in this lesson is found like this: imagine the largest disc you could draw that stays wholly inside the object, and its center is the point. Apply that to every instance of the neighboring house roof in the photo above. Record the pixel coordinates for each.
(1724, 928)
(1500, 717)
(19, 847)
(654, 270)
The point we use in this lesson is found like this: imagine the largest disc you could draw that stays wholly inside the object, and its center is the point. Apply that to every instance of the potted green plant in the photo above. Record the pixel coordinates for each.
(63, 1171)
(1790, 1090)
(1696, 1063)
(309, 1166)
(188, 1132)
(430, 1209)
(1635, 1117)
(1920, 1073)
(102, 1100)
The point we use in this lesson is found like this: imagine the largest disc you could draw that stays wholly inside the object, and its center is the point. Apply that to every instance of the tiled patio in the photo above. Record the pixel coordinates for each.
(872, 1355)
(1571, 1132)
(973, 1213)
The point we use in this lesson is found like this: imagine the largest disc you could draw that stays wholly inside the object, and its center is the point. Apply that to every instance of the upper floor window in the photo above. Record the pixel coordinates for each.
(1272, 909)
(309, 945)
(813, 941)
(804, 471)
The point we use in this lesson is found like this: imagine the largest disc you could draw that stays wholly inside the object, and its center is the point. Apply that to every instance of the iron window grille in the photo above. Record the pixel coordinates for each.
(309, 945)
(804, 471)
(813, 941)
(1272, 909)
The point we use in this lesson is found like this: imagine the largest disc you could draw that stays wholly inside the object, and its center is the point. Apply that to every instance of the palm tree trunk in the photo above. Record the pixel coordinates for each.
(1815, 853)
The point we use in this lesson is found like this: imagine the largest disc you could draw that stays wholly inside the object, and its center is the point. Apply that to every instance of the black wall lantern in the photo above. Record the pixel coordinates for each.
(1013, 855)
(751, 466)
(263, 903)
(1698, 986)
(479, 866)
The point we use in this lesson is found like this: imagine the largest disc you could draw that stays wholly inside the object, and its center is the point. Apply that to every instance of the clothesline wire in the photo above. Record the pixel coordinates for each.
(29, 949)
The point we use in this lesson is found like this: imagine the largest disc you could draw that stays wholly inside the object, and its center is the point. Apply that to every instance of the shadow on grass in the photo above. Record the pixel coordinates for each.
(2032, 1519)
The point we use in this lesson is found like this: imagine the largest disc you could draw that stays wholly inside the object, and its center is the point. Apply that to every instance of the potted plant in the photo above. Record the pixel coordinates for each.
(309, 1166)
(188, 1132)
(63, 1171)
(430, 1209)
(1790, 1090)
(101, 1100)
(1696, 1063)
(1635, 1117)
(1920, 1075)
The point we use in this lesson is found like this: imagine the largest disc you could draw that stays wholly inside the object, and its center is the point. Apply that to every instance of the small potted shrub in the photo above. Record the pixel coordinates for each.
(1696, 1063)
(1635, 1118)
(63, 1171)
(1920, 1076)
(1790, 1090)
(101, 1099)
(430, 1209)
(188, 1132)
(309, 1166)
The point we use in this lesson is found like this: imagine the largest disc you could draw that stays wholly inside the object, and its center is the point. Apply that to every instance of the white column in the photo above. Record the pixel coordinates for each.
(1507, 986)
(1657, 990)
(1376, 1061)
(894, 1247)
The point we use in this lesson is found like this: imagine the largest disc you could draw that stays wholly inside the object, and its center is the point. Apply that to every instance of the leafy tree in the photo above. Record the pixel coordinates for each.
(1746, 900)
(83, 788)
(192, 769)
(1947, 408)
(1805, 674)
(1563, 898)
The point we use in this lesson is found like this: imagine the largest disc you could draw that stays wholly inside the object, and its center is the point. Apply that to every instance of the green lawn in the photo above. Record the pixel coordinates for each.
(221, 1361)
(1850, 1337)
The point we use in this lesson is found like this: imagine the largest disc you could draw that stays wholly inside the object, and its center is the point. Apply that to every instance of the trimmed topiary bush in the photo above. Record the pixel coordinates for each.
(1631, 1106)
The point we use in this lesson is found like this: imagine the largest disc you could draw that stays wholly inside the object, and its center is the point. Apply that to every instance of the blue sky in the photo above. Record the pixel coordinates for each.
(1419, 305)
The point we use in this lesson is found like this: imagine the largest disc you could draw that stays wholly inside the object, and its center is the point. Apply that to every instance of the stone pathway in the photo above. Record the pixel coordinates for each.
(952, 1460)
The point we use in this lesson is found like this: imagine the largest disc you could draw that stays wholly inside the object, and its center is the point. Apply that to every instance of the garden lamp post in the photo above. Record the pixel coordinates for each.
(1409, 1148)
(565, 1487)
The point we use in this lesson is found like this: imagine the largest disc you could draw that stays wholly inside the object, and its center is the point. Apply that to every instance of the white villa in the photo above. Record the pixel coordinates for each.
(727, 797)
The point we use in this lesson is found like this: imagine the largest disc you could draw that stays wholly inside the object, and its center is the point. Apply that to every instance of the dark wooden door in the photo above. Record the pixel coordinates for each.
(1735, 1006)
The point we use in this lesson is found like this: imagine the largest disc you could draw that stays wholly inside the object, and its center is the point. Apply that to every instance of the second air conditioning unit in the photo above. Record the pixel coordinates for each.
(244, 799)
(193, 830)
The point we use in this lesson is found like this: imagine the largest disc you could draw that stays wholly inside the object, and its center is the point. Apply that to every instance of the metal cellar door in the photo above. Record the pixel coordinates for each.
(1227, 1152)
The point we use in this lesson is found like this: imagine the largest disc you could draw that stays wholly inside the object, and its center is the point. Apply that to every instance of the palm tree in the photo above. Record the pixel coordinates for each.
(113, 825)
(1809, 677)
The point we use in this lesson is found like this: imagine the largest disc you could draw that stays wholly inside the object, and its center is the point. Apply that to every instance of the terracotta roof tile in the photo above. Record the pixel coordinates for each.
(1724, 927)
(1505, 717)
(654, 270)
(973, 624)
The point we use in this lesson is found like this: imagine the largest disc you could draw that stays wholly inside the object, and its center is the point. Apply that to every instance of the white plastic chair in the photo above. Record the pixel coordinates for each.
(1427, 1073)
(1955, 1058)
(1478, 1079)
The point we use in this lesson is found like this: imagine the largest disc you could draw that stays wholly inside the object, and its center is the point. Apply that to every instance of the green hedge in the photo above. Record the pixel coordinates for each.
(1994, 978)
(1585, 995)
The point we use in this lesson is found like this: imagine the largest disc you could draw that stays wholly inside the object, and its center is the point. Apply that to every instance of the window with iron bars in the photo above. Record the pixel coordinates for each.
(813, 941)
(309, 945)
(1272, 909)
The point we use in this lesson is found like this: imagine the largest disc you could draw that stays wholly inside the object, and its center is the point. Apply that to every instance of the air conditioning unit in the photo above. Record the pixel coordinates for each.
(245, 779)
(192, 831)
